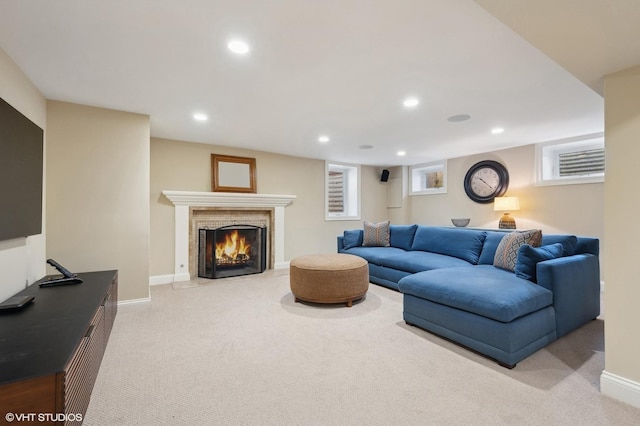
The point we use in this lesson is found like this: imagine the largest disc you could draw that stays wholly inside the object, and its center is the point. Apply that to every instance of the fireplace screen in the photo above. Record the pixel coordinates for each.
(231, 251)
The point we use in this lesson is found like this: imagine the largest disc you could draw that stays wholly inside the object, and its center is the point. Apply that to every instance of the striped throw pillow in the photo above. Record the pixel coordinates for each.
(507, 251)
(376, 234)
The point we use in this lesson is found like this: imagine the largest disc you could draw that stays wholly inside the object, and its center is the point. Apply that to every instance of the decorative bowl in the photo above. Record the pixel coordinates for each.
(461, 223)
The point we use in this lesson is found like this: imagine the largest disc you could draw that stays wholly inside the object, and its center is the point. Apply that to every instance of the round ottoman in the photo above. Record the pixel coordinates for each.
(329, 278)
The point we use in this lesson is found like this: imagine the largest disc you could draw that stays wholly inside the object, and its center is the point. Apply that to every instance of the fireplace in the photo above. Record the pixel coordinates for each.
(270, 208)
(232, 250)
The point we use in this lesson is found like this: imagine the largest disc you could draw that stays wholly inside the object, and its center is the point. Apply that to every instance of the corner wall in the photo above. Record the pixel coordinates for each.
(621, 378)
(98, 190)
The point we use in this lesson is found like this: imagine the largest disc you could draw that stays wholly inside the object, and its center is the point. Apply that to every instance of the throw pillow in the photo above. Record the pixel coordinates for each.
(352, 238)
(376, 234)
(507, 251)
(528, 258)
(401, 236)
(569, 243)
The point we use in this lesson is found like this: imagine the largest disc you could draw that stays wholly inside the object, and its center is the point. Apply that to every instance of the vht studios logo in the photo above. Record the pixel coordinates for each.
(43, 417)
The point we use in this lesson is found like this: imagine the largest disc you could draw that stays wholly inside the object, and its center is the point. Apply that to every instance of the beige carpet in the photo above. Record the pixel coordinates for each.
(241, 352)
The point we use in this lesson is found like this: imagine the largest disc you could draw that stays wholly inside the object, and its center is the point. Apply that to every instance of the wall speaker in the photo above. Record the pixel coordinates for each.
(384, 176)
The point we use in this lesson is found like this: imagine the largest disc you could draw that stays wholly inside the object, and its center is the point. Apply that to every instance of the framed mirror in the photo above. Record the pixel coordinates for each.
(233, 174)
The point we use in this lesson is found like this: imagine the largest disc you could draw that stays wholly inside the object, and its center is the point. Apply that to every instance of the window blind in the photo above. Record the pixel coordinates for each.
(336, 192)
(580, 163)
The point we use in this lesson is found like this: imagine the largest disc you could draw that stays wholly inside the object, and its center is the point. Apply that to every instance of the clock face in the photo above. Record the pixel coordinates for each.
(486, 180)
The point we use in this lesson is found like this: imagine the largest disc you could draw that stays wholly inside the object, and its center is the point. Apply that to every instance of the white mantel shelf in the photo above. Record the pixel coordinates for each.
(224, 199)
(183, 200)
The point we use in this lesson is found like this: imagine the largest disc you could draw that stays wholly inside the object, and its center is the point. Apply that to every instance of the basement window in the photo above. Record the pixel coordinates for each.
(572, 162)
(428, 178)
(342, 191)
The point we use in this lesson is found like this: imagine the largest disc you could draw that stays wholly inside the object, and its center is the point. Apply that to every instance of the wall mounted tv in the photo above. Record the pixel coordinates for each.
(21, 164)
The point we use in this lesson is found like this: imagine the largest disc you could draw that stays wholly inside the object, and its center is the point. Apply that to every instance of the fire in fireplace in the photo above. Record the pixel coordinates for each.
(232, 250)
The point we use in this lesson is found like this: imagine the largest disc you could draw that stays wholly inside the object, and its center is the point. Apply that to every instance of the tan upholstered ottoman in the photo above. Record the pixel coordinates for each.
(329, 278)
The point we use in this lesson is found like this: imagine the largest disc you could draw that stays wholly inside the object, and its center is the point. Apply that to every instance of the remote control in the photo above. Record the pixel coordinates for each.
(61, 268)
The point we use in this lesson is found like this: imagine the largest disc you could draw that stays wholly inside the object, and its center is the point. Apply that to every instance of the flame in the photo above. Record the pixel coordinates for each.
(235, 246)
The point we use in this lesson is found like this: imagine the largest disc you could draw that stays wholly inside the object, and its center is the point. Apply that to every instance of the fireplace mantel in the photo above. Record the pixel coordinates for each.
(183, 200)
(222, 199)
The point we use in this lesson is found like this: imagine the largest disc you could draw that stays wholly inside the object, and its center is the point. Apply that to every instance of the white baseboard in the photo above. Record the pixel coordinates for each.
(133, 301)
(185, 276)
(281, 265)
(160, 279)
(619, 388)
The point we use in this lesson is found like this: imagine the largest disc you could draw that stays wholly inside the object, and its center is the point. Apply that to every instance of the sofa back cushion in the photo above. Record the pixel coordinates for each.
(569, 242)
(490, 246)
(402, 236)
(464, 244)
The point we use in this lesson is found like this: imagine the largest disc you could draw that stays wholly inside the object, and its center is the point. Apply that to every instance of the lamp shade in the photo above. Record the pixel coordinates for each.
(506, 204)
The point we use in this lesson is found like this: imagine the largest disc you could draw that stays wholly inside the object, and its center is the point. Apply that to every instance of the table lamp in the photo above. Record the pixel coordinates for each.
(506, 205)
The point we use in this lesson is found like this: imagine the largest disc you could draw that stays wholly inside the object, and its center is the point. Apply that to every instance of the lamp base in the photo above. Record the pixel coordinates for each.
(507, 222)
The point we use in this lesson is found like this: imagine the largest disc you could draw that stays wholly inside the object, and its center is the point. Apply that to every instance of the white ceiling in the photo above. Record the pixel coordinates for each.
(334, 67)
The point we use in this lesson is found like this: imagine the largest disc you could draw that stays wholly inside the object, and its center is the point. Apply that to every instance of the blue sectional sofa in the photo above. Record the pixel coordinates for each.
(451, 287)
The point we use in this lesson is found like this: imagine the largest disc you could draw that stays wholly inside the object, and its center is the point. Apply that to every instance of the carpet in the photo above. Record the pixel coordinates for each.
(241, 352)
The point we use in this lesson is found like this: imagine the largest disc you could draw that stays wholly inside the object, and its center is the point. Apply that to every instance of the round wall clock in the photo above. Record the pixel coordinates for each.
(486, 180)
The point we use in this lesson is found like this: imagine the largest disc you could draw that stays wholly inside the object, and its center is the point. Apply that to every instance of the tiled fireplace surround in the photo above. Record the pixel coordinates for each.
(195, 210)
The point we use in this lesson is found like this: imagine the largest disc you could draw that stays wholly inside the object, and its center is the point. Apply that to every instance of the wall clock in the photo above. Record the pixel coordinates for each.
(486, 180)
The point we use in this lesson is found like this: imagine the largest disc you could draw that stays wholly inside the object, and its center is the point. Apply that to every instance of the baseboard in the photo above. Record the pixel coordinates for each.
(619, 388)
(161, 279)
(134, 301)
(185, 276)
(281, 265)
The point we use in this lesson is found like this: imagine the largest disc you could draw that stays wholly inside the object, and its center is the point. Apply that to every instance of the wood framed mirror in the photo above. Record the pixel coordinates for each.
(233, 174)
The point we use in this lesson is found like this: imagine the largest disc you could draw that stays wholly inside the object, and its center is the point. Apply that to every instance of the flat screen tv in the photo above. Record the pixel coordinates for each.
(21, 164)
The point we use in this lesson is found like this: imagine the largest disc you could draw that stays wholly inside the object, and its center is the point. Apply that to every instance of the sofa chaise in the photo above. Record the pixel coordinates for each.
(502, 294)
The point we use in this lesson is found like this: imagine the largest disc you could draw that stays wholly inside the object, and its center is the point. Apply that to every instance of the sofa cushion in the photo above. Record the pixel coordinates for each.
(489, 247)
(529, 257)
(569, 243)
(401, 236)
(483, 290)
(352, 238)
(376, 234)
(507, 251)
(374, 255)
(464, 244)
(418, 261)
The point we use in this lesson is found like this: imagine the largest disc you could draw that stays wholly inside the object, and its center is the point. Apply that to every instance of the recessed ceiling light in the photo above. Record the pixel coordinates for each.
(323, 139)
(497, 130)
(401, 153)
(365, 146)
(458, 118)
(200, 116)
(238, 46)
(411, 102)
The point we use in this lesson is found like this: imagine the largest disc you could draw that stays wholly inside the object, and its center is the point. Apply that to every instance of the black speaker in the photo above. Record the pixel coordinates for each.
(384, 176)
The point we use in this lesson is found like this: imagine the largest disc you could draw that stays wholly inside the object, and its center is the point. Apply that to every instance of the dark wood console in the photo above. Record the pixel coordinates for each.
(51, 350)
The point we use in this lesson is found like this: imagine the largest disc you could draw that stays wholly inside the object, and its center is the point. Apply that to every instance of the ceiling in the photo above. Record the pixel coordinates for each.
(335, 68)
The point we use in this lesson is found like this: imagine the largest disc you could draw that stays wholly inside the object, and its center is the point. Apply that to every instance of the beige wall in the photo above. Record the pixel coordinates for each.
(186, 166)
(22, 260)
(573, 209)
(622, 135)
(98, 191)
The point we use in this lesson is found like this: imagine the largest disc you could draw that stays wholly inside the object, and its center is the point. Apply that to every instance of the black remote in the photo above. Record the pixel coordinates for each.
(51, 282)
(61, 268)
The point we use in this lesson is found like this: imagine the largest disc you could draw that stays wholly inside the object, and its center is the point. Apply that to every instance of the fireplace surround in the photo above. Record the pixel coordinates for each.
(187, 202)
